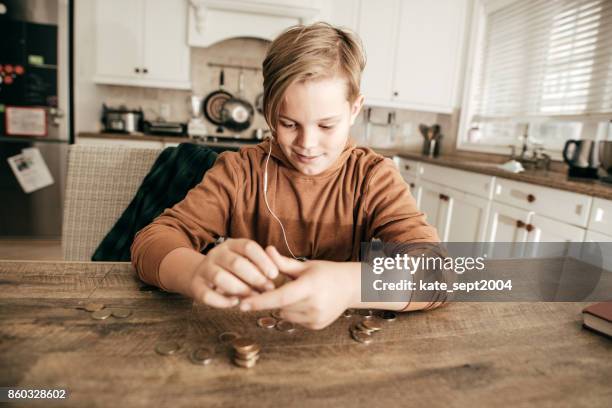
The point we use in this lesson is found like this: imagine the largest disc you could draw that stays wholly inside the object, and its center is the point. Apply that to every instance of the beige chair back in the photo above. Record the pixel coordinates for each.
(101, 182)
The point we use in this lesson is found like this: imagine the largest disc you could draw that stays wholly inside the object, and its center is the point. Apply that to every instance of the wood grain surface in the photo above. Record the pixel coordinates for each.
(465, 354)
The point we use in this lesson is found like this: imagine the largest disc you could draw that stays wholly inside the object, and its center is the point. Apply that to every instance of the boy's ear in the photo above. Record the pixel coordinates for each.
(356, 108)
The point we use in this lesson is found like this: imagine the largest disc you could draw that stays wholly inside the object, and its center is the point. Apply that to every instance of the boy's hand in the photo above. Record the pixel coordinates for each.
(235, 268)
(321, 291)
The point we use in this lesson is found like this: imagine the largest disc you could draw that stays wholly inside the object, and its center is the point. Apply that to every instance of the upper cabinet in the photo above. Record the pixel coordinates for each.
(415, 52)
(142, 43)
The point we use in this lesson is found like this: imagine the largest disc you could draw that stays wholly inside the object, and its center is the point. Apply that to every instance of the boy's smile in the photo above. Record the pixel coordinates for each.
(314, 123)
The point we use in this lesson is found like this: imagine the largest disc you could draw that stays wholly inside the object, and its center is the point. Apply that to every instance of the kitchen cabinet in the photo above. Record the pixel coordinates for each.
(414, 52)
(142, 43)
(601, 216)
(594, 236)
(507, 225)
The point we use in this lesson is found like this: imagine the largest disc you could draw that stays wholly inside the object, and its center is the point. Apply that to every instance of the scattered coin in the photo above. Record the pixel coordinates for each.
(285, 326)
(347, 313)
(373, 324)
(202, 355)
(276, 314)
(361, 337)
(388, 315)
(366, 313)
(94, 307)
(101, 314)
(360, 327)
(167, 348)
(121, 313)
(228, 337)
(266, 322)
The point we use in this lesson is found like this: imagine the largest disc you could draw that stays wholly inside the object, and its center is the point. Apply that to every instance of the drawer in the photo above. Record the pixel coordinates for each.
(407, 167)
(571, 208)
(478, 184)
(601, 216)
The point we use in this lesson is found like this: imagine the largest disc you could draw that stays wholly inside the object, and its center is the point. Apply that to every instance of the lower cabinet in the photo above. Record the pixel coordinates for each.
(507, 225)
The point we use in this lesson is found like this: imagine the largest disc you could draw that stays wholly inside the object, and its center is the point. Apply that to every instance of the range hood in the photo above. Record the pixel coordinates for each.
(211, 21)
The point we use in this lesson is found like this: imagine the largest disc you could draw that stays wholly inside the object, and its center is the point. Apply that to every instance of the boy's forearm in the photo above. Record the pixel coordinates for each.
(175, 270)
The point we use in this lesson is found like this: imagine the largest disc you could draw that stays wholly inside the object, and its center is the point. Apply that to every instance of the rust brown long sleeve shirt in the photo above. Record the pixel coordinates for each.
(326, 216)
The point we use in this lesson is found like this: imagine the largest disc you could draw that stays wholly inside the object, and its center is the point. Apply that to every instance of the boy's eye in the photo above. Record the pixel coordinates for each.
(288, 125)
(326, 126)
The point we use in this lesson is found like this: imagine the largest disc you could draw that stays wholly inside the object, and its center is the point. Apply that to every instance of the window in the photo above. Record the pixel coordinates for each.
(541, 69)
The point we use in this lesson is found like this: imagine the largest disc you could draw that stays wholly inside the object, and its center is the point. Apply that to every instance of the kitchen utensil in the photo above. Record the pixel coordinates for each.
(432, 136)
(214, 103)
(605, 159)
(581, 156)
(237, 113)
(121, 120)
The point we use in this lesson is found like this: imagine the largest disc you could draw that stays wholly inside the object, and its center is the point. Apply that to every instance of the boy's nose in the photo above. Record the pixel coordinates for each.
(307, 138)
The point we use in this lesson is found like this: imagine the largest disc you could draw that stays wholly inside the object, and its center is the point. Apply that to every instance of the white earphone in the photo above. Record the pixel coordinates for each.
(268, 205)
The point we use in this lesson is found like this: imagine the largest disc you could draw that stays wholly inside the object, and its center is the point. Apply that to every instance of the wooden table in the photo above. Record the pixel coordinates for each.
(466, 354)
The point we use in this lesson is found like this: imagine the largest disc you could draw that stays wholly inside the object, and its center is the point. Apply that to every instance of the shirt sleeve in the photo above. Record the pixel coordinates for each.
(196, 221)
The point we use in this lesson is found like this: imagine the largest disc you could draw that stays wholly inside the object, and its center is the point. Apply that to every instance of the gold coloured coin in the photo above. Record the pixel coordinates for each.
(244, 345)
(94, 307)
(373, 324)
(246, 355)
(167, 348)
(245, 363)
(388, 315)
(202, 355)
(285, 326)
(276, 314)
(121, 313)
(101, 314)
(266, 322)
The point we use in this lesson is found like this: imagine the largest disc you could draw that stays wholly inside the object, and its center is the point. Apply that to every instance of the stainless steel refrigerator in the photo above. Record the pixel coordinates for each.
(35, 74)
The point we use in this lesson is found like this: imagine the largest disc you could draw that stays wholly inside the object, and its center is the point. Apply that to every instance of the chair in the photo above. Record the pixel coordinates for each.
(101, 182)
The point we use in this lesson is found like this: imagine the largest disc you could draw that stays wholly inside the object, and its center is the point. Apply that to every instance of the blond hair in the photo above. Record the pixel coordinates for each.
(310, 52)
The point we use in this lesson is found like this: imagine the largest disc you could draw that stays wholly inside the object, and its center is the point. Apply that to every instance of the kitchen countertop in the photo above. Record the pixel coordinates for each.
(464, 354)
(550, 179)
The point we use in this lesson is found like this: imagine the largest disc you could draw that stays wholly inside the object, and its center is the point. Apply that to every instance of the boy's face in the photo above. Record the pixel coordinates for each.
(314, 122)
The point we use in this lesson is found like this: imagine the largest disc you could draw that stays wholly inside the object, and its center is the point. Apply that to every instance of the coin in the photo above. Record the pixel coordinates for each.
(360, 327)
(245, 363)
(373, 324)
(94, 307)
(245, 355)
(101, 314)
(266, 322)
(285, 326)
(167, 348)
(228, 337)
(388, 315)
(347, 313)
(121, 313)
(361, 337)
(244, 345)
(276, 314)
(366, 313)
(202, 355)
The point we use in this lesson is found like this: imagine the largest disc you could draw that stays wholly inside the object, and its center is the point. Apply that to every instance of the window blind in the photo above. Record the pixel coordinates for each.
(545, 58)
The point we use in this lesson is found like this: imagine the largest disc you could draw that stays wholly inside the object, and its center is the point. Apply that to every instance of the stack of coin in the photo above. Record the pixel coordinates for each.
(362, 332)
(99, 311)
(246, 352)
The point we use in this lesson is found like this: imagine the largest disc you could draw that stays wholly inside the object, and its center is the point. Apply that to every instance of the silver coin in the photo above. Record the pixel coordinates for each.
(101, 314)
(202, 356)
(285, 326)
(347, 313)
(373, 324)
(366, 313)
(167, 348)
(361, 337)
(121, 313)
(388, 315)
(94, 307)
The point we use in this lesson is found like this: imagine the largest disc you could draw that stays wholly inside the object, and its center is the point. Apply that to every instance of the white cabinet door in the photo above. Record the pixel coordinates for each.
(166, 53)
(467, 218)
(433, 204)
(544, 229)
(428, 56)
(118, 39)
(506, 225)
(377, 29)
(594, 236)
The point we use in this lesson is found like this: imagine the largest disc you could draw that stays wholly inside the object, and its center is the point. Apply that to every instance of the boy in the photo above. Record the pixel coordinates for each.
(306, 193)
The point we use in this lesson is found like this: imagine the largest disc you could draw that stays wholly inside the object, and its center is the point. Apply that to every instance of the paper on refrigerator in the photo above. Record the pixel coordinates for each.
(30, 170)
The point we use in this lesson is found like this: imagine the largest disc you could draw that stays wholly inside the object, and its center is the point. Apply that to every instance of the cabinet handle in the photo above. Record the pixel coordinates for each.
(443, 197)
(529, 227)
(146, 71)
(411, 185)
(406, 167)
(519, 224)
(530, 198)
(395, 93)
(137, 70)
